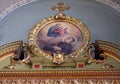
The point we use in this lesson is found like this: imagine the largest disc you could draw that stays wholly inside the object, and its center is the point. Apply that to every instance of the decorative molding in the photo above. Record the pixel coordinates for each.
(12, 7)
(61, 74)
(58, 78)
(9, 48)
(111, 3)
(58, 81)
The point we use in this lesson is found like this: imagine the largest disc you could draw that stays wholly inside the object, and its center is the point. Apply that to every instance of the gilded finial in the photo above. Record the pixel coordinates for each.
(60, 7)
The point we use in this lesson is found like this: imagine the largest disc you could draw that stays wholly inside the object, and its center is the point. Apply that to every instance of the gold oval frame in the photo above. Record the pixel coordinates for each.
(35, 30)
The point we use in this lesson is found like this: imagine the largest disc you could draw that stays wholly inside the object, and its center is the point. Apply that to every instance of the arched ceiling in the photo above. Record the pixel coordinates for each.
(103, 21)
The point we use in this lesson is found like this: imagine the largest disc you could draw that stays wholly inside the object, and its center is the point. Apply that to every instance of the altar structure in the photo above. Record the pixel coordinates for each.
(59, 52)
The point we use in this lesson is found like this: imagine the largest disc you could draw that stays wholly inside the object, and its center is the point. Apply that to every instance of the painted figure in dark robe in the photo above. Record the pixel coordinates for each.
(61, 47)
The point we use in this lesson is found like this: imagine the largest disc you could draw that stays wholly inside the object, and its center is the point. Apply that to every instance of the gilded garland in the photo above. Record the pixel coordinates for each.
(59, 35)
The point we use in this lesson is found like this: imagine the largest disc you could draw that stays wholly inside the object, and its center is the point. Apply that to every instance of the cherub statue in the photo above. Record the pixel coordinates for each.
(13, 61)
(97, 55)
(27, 56)
(19, 57)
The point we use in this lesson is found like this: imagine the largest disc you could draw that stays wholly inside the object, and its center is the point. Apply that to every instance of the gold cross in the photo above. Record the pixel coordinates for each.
(60, 7)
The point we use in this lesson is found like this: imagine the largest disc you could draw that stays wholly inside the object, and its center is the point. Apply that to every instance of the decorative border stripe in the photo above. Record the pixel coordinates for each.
(21, 3)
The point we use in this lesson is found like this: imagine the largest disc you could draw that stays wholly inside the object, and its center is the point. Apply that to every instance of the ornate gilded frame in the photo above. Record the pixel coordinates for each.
(34, 31)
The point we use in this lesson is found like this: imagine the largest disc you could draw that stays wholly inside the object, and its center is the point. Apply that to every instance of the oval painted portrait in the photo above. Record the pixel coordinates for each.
(59, 37)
